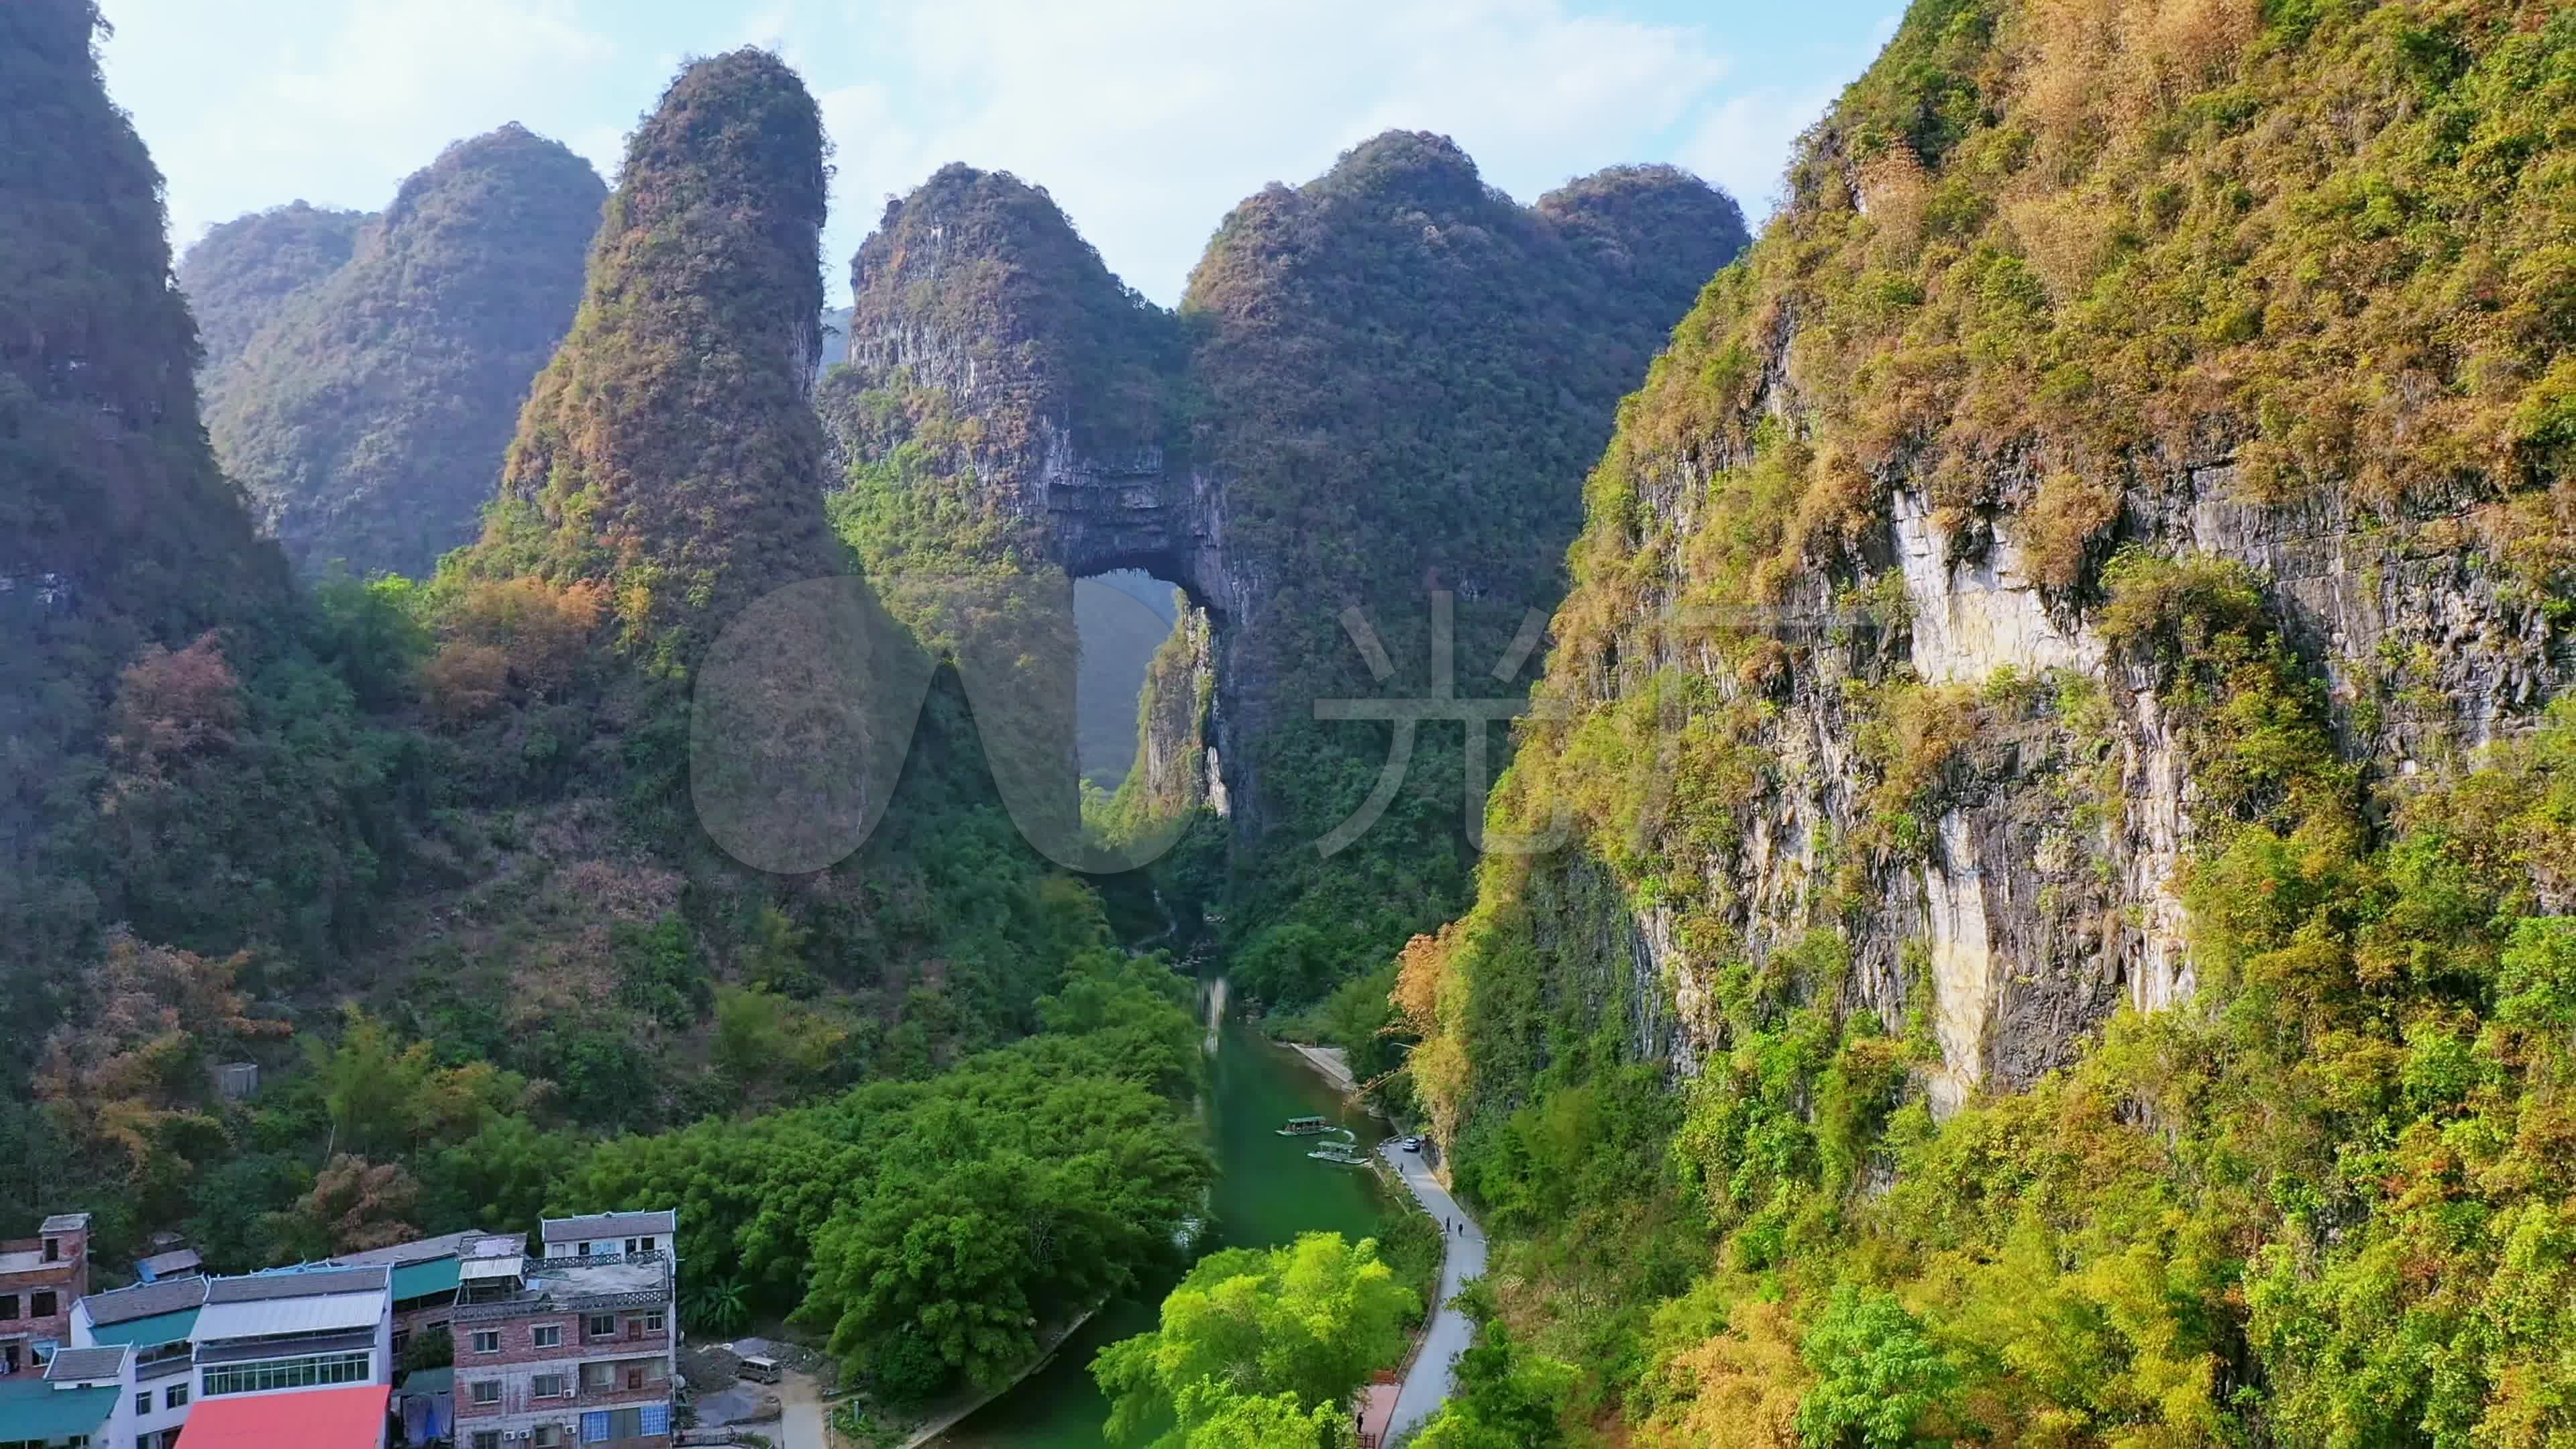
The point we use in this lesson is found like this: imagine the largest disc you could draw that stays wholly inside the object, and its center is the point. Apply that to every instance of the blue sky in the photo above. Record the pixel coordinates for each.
(1145, 119)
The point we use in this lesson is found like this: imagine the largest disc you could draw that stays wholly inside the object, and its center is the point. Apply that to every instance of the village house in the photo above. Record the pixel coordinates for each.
(425, 1276)
(191, 1341)
(575, 1347)
(155, 1323)
(40, 1279)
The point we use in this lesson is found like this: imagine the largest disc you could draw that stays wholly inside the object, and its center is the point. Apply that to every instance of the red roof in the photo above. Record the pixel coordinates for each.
(350, 1418)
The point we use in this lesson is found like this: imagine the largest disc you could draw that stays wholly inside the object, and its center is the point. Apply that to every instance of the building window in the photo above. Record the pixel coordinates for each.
(602, 1425)
(42, 1305)
(8, 1307)
(175, 1396)
(599, 1376)
(601, 1325)
(487, 1391)
(143, 1403)
(310, 1372)
(487, 1439)
(547, 1436)
(652, 1323)
(546, 1335)
(487, 1340)
(550, 1386)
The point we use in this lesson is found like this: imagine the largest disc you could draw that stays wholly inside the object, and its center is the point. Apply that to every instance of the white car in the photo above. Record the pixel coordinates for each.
(1413, 1144)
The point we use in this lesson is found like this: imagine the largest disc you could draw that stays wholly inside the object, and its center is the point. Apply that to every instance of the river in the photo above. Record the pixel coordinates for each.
(1267, 1192)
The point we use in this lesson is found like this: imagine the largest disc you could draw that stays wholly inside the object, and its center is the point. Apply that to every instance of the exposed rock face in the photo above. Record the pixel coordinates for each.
(2045, 891)
(1855, 540)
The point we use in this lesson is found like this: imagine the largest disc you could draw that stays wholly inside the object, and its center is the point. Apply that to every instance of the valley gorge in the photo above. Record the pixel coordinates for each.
(1949, 815)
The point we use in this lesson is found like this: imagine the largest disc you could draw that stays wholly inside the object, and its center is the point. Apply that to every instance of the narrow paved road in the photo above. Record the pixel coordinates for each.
(800, 1422)
(1434, 1372)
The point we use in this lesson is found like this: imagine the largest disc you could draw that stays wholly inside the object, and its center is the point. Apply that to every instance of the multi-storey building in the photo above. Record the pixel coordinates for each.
(40, 1279)
(577, 1347)
(294, 1328)
(425, 1277)
(157, 1323)
(188, 1341)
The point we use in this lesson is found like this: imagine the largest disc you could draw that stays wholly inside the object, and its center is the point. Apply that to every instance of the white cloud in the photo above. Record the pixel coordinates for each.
(246, 108)
(1743, 141)
(1148, 119)
(1742, 144)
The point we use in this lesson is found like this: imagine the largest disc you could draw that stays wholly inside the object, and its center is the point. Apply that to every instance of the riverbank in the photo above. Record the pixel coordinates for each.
(1268, 1191)
(944, 1419)
(1333, 1064)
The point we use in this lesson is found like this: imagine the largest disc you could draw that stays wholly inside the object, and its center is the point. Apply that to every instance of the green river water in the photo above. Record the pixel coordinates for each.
(1267, 1192)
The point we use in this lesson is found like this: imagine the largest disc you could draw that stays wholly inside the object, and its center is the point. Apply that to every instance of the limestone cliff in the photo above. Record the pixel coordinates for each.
(1863, 511)
(2050, 739)
(1380, 385)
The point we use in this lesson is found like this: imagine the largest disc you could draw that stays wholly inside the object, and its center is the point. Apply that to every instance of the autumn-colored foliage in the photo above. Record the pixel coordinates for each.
(669, 451)
(137, 1055)
(356, 1205)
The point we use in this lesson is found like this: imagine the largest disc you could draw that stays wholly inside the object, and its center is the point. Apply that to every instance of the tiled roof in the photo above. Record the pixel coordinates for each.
(146, 1300)
(296, 1283)
(600, 1226)
(150, 1331)
(71, 1365)
(445, 1245)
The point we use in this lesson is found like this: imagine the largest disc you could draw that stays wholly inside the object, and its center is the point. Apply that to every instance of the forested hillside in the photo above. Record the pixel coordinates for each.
(239, 273)
(2060, 939)
(152, 639)
(425, 851)
(366, 406)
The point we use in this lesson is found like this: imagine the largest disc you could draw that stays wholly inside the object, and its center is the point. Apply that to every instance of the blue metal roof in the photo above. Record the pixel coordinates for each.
(30, 1408)
(149, 1332)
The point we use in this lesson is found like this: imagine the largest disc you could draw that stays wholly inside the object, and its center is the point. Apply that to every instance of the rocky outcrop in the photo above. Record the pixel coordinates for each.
(2043, 893)
(1857, 539)
(669, 450)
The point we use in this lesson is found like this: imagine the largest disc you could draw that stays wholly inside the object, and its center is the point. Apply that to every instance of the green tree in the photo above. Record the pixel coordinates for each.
(1220, 1418)
(1304, 1324)
(1878, 1376)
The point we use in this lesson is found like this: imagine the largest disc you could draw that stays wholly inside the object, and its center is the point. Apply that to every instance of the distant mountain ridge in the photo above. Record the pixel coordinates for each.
(366, 406)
